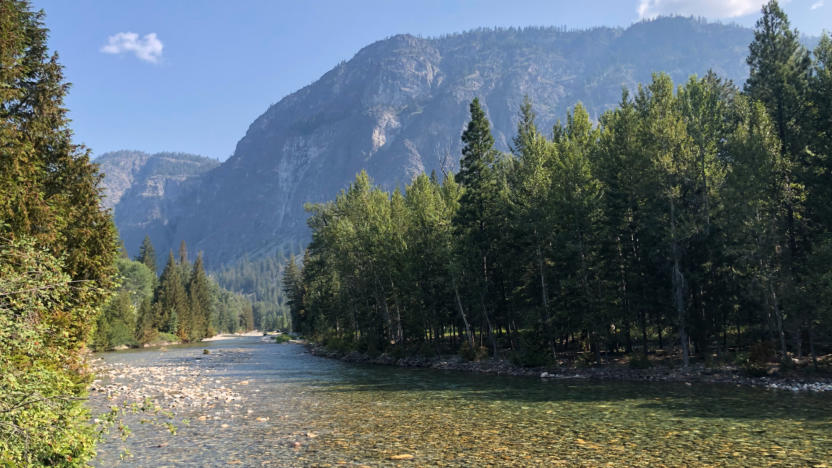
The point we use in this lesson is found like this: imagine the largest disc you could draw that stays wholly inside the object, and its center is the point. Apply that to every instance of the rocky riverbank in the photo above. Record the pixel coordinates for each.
(171, 385)
(696, 373)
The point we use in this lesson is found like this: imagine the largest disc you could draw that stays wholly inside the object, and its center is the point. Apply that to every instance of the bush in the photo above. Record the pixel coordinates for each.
(42, 420)
(338, 344)
(164, 337)
(472, 354)
(640, 361)
(282, 338)
(526, 357)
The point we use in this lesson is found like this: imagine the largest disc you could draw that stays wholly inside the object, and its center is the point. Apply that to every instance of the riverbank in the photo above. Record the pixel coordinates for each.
(615, 371)
(296, 409)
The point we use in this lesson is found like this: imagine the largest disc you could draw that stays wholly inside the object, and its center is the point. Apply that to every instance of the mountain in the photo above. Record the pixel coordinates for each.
(398, 107)
(142, 189)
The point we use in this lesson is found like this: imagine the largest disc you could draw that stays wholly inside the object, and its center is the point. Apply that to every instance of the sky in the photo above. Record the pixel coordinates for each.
(190, 76)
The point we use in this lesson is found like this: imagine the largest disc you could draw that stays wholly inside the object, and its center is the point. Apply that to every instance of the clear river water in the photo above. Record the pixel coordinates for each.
(295, 409)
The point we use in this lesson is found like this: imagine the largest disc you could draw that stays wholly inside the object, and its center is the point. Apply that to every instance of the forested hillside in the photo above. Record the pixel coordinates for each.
(184, 304)
(693, 215)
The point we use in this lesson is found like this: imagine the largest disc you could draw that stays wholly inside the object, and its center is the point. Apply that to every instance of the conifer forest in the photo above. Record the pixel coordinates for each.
(641, 284)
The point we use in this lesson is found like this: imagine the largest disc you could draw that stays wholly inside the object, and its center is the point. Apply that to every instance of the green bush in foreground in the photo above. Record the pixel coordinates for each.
(42, 419)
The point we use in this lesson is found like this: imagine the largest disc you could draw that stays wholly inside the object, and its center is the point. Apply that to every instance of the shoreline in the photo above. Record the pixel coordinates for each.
(696, 373)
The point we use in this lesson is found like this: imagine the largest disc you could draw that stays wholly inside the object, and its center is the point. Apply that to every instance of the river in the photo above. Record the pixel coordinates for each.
(295, 409)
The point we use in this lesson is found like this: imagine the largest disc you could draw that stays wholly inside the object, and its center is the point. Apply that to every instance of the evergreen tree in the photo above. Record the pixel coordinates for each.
(170, 299)
(144, 331)
(476, 217)
(200, 301)
(778, 77)
(147, 255)
(57, 258)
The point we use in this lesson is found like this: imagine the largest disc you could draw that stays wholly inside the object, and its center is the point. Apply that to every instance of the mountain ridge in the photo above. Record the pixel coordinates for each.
(398, 107)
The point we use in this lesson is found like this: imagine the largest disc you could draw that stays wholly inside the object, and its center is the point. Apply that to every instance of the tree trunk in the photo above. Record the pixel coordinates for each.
(678, 287)
(468, 333)
(778, 317)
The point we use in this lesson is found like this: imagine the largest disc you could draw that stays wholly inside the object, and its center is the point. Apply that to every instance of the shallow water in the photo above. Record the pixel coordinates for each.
(301, 410)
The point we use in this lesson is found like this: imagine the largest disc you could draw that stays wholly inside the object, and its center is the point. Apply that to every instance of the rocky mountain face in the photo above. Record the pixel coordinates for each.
(142, 189)
(398, 108)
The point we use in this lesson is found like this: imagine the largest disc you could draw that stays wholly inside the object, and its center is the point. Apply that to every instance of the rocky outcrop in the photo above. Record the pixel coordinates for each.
(143, 190)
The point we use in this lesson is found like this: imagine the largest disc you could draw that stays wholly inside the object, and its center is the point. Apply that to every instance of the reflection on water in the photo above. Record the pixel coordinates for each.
(301, 410)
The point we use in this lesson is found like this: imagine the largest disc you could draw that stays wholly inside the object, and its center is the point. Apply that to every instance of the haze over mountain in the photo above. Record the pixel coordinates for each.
(141, 188)
(398, 108)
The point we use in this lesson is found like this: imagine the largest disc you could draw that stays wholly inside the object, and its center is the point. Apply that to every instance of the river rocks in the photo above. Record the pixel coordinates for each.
(695, 373)
(169, 385)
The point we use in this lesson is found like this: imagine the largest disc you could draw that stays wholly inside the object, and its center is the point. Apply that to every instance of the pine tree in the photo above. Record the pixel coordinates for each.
(200, 301)
(49, 189)
(778, 77)
(147, 254)
(293, 287)
(58, 250)
(476, 217)
(170, 299)
(144, 332)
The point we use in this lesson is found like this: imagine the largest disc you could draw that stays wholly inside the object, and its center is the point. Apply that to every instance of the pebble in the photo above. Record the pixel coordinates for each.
(168, 385)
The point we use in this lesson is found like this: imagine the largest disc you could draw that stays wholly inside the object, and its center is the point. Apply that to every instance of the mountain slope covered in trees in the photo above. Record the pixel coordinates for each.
(398, 107)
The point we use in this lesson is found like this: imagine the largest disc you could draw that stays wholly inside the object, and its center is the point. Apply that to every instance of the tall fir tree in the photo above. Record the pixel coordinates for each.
(170, 298)
(58, 250)
(147, 254)
(477, 213)
(200, 301)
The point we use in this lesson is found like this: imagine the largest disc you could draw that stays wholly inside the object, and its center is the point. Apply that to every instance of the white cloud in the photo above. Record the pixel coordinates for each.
(147, 48)
(712, 9)
(816, 5)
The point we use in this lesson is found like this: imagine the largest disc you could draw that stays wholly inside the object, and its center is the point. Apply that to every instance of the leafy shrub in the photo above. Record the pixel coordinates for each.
(640, 361)
(282, 338)
(472, 354)
(338, 344)
(529, 357)
(42, 420)
(164, 337)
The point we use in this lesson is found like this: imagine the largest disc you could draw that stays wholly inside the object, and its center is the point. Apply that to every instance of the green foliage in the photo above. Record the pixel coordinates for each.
(475, 353)
(42, 420)
(261, 280)
(282, 338)
(147, 255)
(57, 254)
(697, 209)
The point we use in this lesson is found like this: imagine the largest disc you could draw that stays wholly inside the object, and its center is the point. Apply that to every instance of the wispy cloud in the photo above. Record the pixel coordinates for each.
(147, 48)
(713, 9)
(816, 5)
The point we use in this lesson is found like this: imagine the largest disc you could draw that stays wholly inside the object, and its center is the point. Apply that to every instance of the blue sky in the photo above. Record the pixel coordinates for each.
(176, 75)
